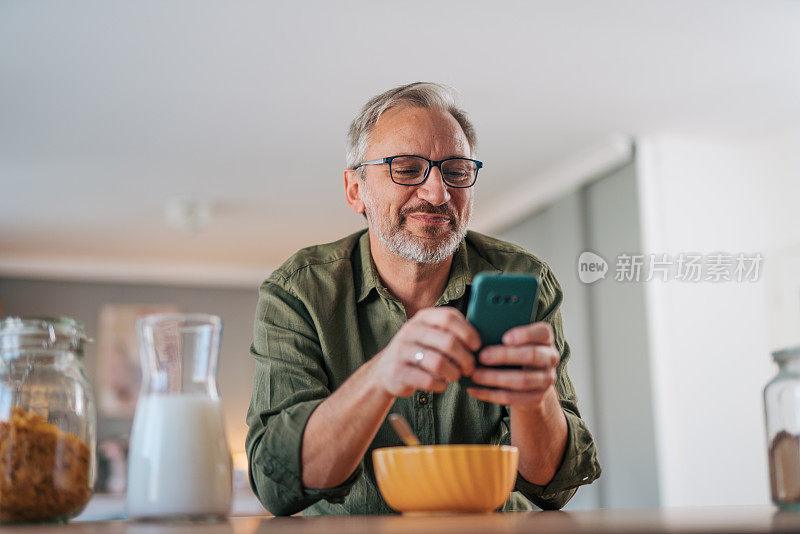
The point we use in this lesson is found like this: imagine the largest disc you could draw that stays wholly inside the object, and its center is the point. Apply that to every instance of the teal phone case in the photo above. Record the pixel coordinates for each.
(497, 303)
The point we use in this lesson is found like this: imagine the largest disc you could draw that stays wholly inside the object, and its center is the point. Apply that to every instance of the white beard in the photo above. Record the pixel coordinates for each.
(410, 247)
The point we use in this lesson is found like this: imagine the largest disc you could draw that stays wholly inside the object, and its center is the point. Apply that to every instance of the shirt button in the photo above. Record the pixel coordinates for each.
(423, 399)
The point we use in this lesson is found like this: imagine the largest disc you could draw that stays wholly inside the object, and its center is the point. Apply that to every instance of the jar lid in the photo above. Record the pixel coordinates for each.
(786, 354)
(59, 333)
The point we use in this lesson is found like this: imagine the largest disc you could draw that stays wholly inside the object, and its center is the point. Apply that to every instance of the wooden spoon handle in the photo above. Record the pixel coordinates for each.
(403, 429)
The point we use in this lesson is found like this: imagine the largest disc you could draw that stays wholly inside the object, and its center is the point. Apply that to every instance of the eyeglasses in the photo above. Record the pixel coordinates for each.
(413, 170)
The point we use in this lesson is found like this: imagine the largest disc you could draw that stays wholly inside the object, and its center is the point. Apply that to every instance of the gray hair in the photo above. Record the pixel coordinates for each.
(418, 94)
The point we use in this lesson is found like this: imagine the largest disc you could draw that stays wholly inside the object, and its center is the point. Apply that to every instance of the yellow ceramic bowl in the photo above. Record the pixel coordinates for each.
(446, 478)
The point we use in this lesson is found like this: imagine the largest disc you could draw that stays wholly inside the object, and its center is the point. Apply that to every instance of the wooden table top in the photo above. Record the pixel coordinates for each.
(672, 520)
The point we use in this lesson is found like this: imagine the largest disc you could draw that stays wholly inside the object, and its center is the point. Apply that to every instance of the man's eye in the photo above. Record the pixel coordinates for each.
(457, 178)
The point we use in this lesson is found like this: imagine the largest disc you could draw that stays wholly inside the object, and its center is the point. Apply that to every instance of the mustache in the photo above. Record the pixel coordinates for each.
(427, 207)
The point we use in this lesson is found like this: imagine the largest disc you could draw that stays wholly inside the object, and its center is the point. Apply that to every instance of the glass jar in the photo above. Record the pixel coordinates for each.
(782, 411)
(47, 421)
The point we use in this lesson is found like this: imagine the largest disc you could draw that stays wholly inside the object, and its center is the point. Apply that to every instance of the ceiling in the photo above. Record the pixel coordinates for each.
(111, 110)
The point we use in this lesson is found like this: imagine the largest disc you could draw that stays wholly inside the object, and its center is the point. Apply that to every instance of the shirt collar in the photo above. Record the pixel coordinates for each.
(466, 263)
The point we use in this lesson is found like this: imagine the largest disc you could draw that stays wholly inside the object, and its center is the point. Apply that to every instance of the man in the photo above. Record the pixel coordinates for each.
(349, 331)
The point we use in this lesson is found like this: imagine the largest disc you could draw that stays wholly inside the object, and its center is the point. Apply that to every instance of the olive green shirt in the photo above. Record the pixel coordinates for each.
(323, 314)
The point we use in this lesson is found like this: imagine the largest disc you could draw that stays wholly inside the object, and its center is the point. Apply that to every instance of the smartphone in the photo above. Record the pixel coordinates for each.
(497, 303)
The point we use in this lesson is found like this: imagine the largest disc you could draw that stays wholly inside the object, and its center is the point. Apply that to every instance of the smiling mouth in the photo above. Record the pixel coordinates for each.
(430, 218)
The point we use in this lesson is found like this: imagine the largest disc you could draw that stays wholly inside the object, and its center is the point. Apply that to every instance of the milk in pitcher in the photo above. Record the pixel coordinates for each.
(183, 468)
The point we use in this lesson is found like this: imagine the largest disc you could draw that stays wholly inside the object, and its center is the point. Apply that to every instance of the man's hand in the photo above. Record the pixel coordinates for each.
(446, 342)
(531, 346)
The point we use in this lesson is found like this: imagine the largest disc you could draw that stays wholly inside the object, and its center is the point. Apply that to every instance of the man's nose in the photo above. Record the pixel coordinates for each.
(434, 190)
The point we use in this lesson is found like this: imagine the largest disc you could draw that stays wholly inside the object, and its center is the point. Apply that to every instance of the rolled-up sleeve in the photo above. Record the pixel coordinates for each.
(580, 464)
(289, 383)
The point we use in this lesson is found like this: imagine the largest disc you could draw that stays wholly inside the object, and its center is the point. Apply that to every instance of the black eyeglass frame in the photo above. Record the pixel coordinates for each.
(431, 164)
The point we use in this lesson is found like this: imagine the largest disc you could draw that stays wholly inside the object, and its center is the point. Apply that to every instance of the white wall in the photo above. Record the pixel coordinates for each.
(710, 342)
(780, 154)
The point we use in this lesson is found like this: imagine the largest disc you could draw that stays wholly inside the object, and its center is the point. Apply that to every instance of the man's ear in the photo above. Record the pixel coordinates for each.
(352, 190)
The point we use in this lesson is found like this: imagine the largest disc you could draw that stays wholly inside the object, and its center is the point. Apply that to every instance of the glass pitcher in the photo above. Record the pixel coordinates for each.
(179, 465)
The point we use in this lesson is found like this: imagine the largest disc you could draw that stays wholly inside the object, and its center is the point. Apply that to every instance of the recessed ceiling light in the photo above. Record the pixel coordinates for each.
(190, 215)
